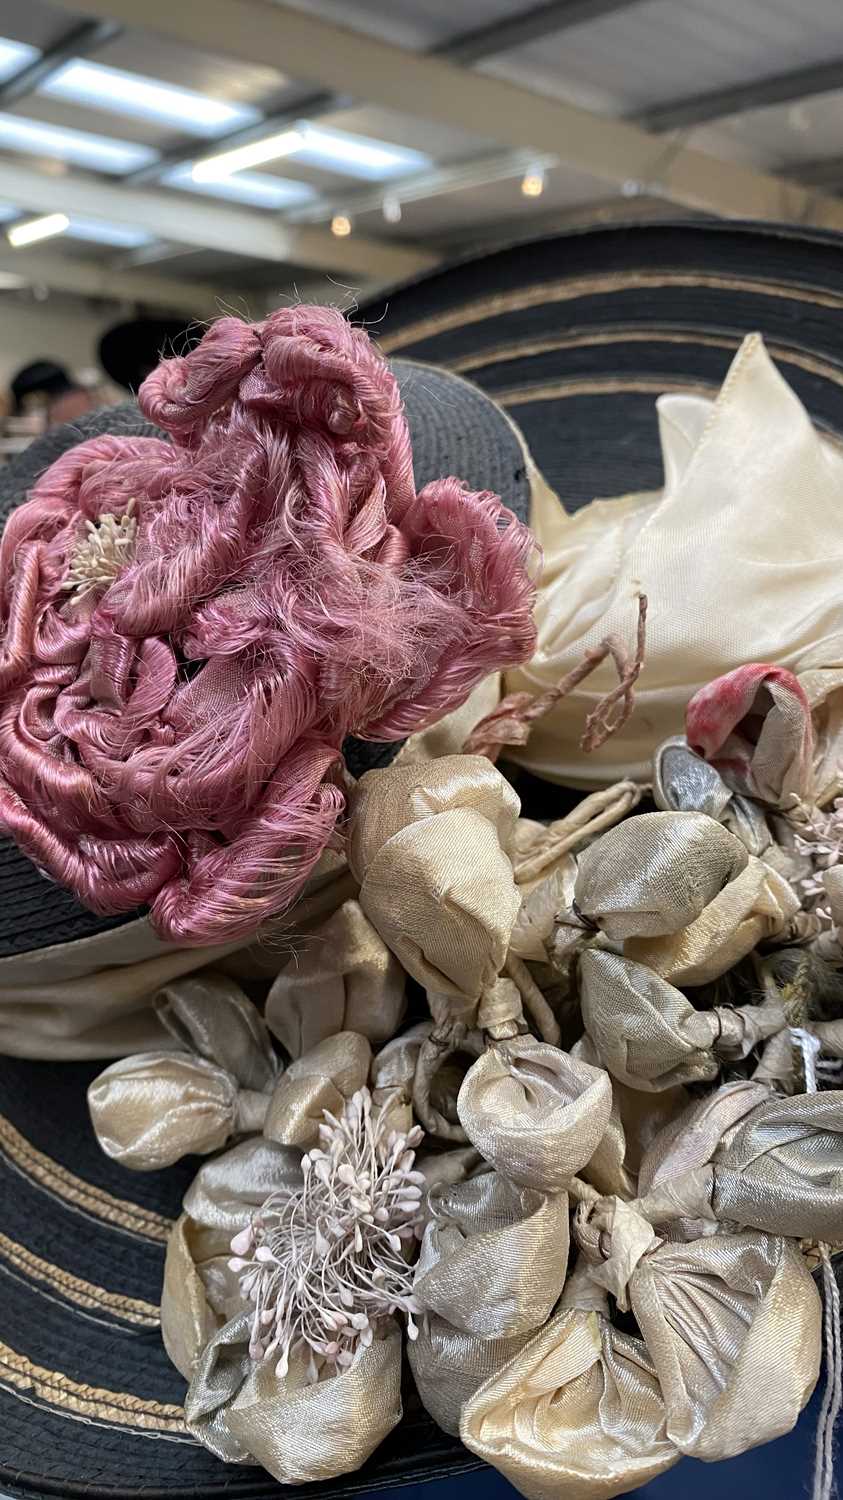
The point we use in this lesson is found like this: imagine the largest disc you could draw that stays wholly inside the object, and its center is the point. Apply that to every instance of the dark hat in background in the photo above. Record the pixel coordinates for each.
(43, 377)
(129, 351)
(574, 337)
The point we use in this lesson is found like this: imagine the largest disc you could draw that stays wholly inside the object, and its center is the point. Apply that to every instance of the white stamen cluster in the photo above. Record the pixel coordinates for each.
(822, 841)
(102, 552)
(326, 1262)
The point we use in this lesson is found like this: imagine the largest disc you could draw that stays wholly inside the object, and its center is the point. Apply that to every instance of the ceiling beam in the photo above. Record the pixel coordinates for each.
(468, 47)
(209, 225)
(526, 26)
(759, 93)
(381, 73)
(78, 41)
(86, 278)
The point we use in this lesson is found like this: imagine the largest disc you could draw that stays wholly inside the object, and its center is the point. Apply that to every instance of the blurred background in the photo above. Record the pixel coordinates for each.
(162, 162)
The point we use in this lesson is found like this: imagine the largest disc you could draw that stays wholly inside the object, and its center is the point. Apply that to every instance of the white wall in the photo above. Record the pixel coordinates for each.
(60, 329)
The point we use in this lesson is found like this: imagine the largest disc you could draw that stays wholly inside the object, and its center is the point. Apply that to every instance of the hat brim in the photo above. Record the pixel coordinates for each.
(575, 337)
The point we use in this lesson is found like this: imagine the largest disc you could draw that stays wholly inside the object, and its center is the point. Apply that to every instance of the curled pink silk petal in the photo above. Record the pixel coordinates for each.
(754, 725)
(190, 630)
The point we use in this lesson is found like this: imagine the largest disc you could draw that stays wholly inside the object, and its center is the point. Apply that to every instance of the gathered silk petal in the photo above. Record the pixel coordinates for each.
(386, 801)
(535, 1112)
(443, 897)
(150, 1111)
(392, 1075)
(740, 558)
(690, 1139)
(754, 725)
(448, 1365)
(655, 873)
(780, 1167)
(200, 1291)
(636, 1120)
(342, 978)
(577, 1413)
(649, 1035)
(733, 1325)
(716, 1314)
(745, 1157)
(210, 1015)
(752, 908)
(298, 1432)
(428, 844)
(323, 1079)
(493, 1257)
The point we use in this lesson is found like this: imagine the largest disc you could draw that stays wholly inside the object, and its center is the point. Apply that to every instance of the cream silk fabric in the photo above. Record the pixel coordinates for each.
(534, 1112)
(588, 1412)
(341, 978)
(743, 1156)
(648, 1034)
(427, 843)
(680, 893)
(150, 1110)
(739, 556)
(296, 1431)
(201, 1292)
(495, 1252)
(325, 1078)
(578, 1412)
(93, 998)
(240, 1409)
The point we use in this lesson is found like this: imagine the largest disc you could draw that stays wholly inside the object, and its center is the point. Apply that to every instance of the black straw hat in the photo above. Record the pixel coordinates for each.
(574, 337)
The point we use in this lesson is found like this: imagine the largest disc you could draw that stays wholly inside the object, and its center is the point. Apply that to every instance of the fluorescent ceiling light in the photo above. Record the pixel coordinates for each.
(14, 56)
(271, 148)
(357, 155)
(121, 93)
(101, 153)
(260, 189)
(37, 229)
(335, 150)
(123, 236)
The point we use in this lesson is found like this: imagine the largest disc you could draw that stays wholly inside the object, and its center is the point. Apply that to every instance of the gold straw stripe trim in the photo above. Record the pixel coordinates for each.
(616, 385)
(527, 350)
(83, 1195)
(83, 1293)
(85, 1401)
(570, 288)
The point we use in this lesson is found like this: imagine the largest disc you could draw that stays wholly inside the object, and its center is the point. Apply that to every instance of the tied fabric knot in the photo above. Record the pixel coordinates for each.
(150, 1110)
(650, 1036)
(613, 1236)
